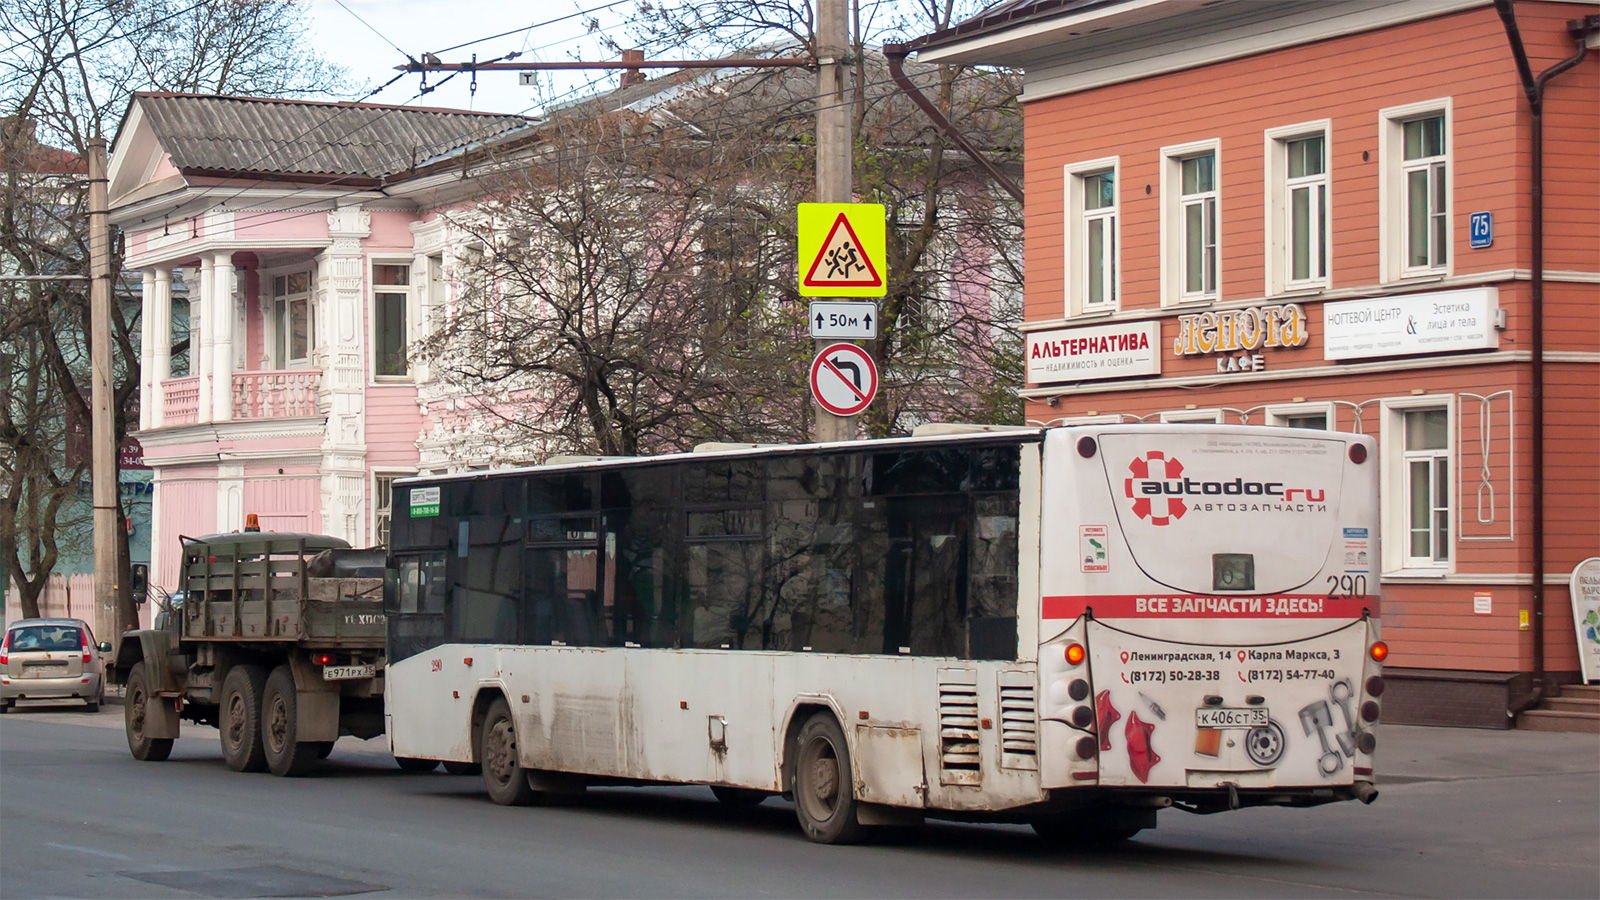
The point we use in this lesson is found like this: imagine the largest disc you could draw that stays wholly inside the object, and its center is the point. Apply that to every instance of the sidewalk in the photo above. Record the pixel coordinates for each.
(1411, 753)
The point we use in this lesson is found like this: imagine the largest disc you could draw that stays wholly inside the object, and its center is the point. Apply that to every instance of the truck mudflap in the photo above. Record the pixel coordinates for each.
(1285, 715)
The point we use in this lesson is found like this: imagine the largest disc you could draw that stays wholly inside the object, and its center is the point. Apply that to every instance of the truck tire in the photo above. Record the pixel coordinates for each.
(286, 756)
(503, 775)
(824, 783)
(239, 718)
(144, 749)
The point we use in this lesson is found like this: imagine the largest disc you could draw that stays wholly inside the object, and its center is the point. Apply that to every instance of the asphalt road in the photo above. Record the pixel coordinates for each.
(1462, 814)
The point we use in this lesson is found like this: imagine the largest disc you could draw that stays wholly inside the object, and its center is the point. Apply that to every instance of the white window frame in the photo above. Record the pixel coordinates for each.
(1075, 251)
(1278, 214)
(1173, 257)
(1393, 264)
(1212, 416)
(378, 510)
(1393, 481)
(267, 288)
(1278, 413)
(409, 289)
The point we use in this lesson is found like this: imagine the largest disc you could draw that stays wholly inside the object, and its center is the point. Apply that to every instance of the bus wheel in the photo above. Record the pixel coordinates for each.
(739, 798)
(324, 749)
(287, 755)
(145, 749)
(503, 775)
(413, 764)
(239, 719)
(824, 798)
(461, 768)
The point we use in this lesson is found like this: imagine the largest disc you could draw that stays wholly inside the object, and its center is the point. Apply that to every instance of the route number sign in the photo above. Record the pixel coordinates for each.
(843, 379)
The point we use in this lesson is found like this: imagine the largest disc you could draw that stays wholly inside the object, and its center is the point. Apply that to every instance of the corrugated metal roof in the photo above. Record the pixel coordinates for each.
(291, 137)
(1006, 14)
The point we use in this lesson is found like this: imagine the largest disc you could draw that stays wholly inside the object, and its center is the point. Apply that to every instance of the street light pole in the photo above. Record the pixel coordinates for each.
(104, 463)
(833, 156)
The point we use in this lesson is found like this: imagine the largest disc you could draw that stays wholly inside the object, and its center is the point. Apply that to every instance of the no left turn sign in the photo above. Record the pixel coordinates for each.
(843, 379)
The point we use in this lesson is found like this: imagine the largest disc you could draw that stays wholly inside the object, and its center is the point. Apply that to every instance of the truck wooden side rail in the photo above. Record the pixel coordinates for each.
(275, 638)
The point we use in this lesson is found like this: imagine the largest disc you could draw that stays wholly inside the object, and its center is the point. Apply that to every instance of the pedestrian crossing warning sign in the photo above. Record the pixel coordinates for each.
(842, 250)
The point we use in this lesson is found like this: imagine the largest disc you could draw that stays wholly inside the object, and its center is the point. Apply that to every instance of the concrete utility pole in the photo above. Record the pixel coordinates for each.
(104, 460)
(834, 183)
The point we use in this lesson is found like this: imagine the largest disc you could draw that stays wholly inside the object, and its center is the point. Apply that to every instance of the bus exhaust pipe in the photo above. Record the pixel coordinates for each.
(1365, 792)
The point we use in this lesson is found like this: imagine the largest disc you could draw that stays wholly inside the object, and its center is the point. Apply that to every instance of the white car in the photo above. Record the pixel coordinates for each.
(51, 659)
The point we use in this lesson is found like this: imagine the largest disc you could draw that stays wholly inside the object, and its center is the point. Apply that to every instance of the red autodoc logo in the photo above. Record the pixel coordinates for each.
(1146, 506)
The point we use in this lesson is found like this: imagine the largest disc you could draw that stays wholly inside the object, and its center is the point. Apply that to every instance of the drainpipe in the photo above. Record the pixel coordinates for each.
(896, 55)
(1534, 89)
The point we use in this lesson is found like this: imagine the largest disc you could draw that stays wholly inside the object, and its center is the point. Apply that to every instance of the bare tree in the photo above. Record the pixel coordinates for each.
(65, 80)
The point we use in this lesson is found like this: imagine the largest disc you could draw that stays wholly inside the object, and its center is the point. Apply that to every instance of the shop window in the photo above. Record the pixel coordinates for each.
(1414, 153)
(1093, 237)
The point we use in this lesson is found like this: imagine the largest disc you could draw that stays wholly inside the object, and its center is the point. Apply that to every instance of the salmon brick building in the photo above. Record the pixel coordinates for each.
(1322, 215)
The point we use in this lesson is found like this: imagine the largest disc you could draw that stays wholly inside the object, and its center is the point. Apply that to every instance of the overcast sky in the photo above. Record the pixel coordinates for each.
(418, 26)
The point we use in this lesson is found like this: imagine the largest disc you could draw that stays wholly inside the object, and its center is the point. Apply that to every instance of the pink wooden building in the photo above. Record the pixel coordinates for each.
(311, 241)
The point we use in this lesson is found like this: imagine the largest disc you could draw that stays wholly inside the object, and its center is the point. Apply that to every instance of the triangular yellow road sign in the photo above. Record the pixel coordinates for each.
(842, 250)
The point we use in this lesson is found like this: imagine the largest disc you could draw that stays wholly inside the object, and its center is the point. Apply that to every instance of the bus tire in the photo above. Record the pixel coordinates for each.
(287, 756)
(413, 764)
(455, 767)
(824, 794)
(239, 719)
(144, 749)
(503, 775)
(324, 749)
(739, 798)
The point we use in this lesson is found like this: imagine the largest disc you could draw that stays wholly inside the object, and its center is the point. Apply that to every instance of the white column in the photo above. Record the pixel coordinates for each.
(149, 387)
(159, 311)
(200, 352)
(222, 348)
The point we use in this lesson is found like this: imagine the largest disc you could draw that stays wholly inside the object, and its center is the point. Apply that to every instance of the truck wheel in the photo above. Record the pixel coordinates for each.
(413, 764)
(145, 749)
(286, 756)
(239, 718)
(461, 768)
(503, 775)
(824, 795)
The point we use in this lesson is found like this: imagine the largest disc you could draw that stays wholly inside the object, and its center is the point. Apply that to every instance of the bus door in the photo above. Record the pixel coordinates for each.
(562, 583)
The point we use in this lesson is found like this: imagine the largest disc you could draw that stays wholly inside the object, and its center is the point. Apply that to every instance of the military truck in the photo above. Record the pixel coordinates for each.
(275, 638)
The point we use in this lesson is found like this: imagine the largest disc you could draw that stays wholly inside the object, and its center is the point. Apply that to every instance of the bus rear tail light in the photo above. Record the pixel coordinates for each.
(1369, 711)
(1083, 717)
(1358, 453)
(1086, 748)
(1086, 447)
(322, 659)
(1075, 653)
(1078, 689)
(1375, 686)
(1379, 651)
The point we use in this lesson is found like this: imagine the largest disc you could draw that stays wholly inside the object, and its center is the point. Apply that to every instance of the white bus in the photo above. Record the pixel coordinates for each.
(1071, 627)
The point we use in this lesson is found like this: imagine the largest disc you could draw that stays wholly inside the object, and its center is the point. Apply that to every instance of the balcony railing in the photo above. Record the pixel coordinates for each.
(275, 395)
(181, 401)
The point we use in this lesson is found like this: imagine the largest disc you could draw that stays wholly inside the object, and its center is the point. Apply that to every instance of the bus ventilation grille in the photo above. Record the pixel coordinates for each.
(1019, 723)
(959, 758)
